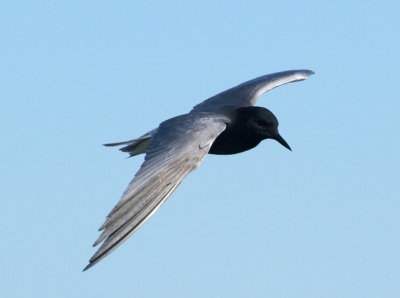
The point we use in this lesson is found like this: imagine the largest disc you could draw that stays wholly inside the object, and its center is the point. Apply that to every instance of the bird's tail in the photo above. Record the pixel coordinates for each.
(135, 146)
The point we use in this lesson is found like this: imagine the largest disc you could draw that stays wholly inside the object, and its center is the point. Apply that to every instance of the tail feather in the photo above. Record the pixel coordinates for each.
(135, 146)
(118, 144)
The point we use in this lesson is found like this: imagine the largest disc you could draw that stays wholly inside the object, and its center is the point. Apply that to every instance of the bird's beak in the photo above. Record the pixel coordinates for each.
(281, 141)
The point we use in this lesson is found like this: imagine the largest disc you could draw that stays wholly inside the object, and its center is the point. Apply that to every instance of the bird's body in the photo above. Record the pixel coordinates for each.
(227, 123)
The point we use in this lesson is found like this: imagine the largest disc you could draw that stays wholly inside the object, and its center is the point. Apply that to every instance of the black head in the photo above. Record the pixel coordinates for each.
(262, 123)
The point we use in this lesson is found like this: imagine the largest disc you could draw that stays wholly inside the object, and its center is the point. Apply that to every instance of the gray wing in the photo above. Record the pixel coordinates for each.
(247, 93)
(176, 148)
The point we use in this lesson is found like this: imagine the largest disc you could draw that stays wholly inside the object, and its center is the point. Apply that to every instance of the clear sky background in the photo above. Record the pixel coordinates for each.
(321, 221)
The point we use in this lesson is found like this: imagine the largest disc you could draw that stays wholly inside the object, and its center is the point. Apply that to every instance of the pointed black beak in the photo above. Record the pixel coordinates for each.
(281, 141)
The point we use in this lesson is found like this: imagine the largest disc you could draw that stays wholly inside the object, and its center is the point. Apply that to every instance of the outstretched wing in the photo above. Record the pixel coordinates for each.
(247, 93)
(176, 148)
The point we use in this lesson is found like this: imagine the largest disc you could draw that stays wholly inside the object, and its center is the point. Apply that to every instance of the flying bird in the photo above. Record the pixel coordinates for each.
(227, 123)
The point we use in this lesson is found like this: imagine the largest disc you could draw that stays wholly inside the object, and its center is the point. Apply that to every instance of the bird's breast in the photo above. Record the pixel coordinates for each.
(233, 142)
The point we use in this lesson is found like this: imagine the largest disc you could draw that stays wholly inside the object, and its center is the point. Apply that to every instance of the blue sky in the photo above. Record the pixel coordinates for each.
(321, 221)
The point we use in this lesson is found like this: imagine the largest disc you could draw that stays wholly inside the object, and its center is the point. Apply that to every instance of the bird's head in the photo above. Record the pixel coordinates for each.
(263, 123)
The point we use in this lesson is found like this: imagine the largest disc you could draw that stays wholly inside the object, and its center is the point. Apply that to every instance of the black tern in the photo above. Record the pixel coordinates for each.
(227, 123)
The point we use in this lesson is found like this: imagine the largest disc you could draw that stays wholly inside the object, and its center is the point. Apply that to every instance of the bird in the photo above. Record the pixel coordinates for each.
(224, 124)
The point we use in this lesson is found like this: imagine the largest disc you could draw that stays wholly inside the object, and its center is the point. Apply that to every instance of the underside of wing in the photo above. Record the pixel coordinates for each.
(247, 93)
(176, 148)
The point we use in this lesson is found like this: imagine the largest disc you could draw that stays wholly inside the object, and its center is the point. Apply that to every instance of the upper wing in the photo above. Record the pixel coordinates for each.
(176, 148)
(247, 93)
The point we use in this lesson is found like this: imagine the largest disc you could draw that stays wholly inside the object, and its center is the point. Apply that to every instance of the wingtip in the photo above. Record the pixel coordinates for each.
(309, 72)
(92, 262)
(87, 267)
(110, 144)
(297, 75)
(305, 72)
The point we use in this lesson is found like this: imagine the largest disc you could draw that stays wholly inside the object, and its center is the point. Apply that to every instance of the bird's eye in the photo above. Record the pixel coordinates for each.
(259, 122)
(262, 122)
